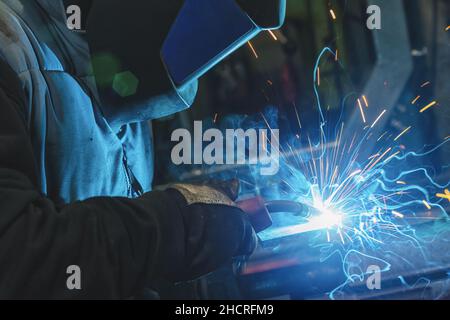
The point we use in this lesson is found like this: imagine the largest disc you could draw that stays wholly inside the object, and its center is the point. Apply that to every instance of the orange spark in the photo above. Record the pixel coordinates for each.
(273, 35)
(365, 101)
(333, 15)
(445, 195)
(253, 49)
(428, 106)
(264, 141)
(378, 160)
(415, 100)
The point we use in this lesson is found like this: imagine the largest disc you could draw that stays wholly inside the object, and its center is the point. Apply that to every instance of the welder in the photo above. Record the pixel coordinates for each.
(76, 152)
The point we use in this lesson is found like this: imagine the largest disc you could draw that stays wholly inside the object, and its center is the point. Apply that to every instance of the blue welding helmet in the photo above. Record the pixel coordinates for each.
(148, 55)
(207, 31)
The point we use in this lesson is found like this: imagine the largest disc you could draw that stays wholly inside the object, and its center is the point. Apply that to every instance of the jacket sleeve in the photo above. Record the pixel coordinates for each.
(119, 244)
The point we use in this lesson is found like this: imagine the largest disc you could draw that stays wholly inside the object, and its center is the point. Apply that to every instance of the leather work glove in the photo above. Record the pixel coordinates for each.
(215, 229)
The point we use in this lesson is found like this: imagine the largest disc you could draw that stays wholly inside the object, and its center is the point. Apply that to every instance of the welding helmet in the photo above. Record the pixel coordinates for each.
(148, 55)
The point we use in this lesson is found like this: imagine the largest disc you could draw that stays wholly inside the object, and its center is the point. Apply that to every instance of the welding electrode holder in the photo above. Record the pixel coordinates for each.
(259, 211)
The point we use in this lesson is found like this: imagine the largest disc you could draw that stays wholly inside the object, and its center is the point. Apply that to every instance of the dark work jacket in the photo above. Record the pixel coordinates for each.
(67, 178)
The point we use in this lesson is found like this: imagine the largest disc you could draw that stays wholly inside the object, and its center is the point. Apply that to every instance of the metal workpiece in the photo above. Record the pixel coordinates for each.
(291, 269)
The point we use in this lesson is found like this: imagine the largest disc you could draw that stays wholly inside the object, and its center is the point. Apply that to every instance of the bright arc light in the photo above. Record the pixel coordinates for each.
(327, 219)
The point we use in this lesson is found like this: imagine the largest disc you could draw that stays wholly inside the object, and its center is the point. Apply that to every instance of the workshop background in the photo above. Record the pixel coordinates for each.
(411, 53)
(412, 49)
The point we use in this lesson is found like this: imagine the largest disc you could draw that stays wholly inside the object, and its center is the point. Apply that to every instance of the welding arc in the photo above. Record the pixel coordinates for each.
(278, 206)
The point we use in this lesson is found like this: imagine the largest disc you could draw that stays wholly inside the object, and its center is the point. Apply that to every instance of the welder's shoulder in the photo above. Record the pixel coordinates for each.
(15, 46)
(16, 155)
(11, 86)
(14, 56)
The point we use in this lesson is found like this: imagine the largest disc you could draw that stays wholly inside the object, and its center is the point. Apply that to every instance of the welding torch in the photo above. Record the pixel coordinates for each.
(260, 211)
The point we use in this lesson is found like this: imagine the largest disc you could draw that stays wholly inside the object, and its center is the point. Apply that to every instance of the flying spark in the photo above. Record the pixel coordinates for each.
(365, 101)
(272, 34)
(333, 15)
(253, 49)
(378, 119)
(426, 204)
(445, 195)
(362, 111)
(402, 133)
(415, 100)
(428, 106)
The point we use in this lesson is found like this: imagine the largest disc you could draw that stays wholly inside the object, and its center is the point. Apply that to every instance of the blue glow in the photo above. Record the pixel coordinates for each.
(362, 210)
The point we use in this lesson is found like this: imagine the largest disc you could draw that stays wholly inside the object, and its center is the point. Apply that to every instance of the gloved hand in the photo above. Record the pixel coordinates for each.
(215, 229)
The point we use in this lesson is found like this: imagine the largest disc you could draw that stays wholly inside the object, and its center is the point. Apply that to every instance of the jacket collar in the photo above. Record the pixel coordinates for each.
(55, 8)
